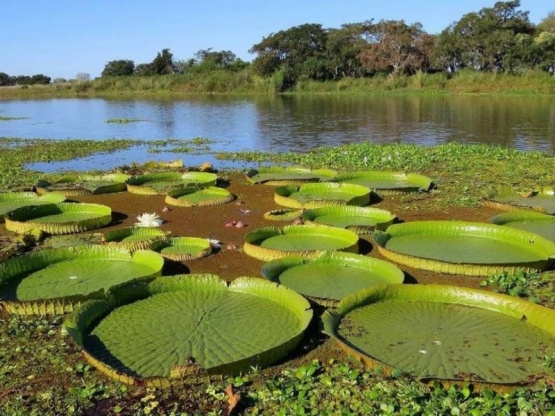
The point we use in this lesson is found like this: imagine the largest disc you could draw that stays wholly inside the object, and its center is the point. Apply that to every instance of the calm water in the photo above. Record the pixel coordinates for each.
(283, 123)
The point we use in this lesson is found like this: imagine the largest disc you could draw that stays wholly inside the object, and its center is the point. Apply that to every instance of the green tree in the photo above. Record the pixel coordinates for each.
(163, 63)
(118, 68)
(487, 40)
(548, 23)
(343, 48)
(5, 79)
(396, 47)
(143, 70)
(298, 52)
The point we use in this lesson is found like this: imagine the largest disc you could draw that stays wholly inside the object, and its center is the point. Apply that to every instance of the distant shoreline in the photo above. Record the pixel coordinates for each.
(245, 83)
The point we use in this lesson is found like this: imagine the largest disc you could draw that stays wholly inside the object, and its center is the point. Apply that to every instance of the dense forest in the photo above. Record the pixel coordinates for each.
(498, 39)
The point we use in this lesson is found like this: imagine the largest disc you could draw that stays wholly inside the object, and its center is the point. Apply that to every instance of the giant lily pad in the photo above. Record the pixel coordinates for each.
(186, 248)
(278, 176)
(330, 276)
(469, 248)
(189, 328)
(445, 332)
(315, 195)
(505, 198)
(199, 196)
(62, 218)
(535, 222)
(164, 182)
(361, 220)
(86, 185)
(53, 281)
(13, 200)
(271, 243)
(387, 182)
(136, 238)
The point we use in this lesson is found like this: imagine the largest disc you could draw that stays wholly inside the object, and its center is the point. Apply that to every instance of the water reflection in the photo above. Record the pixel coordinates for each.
(293, 123)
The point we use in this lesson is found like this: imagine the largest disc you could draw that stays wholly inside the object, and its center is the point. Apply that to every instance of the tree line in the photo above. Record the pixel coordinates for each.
(494, 39)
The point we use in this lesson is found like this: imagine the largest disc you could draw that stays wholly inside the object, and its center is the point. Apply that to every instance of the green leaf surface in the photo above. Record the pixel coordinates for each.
(13, 200)
(79, 277)
(387, 181)
(464, 243)
(331, 275)
(362, 220)
(78, 272)
(292, 175)
(446, 332)
(535, 222)
(199, 196)
(313, 195)
(197, 320)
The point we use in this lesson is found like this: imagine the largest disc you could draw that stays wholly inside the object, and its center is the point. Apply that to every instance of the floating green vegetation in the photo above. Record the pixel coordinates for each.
(461, 172)
(5, 118)
(16, 152)
(194, 145)
(123, 120)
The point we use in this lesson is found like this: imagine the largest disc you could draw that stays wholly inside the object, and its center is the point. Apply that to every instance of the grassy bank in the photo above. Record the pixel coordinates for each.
(244, 82)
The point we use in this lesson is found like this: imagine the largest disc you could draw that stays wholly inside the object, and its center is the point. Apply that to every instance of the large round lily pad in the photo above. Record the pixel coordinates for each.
(315, 195)
(279, 176)
(361, 220)
(469, 248)
(445, 332)
(186, 248)
(10, 201)
(86, 185)
(190, 327)
(330, 276)
(387, 182)
(53, 281)
(164, 182)
(506, 198)
(199, 196)
(271, 243)
(535, 222)
(136, 238)
(62, 218)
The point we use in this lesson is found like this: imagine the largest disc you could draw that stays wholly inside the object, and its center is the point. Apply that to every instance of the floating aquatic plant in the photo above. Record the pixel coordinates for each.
(149, 220)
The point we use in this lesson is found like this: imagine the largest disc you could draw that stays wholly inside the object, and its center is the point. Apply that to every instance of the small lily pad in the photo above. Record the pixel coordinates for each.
(164, 182)
(304, 240)
(506, 198)
(316, 195)
(85, 185)
(327, 278)
(387, 183)
(186, 248)
(535, 222)
(279, 176)
(361, 220)
(199, 196)
(136, 238)
(12, 200)
(62, 218)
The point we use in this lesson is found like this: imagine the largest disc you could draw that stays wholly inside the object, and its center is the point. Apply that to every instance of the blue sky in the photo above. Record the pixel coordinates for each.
(61, 38)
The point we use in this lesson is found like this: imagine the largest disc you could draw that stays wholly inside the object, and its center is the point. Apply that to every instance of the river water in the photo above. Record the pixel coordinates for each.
(282, 123)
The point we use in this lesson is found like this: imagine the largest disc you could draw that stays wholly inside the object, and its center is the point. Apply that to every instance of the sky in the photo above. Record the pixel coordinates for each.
(61, 38)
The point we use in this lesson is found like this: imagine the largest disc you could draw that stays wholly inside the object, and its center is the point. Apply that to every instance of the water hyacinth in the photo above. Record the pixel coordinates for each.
(149, 220)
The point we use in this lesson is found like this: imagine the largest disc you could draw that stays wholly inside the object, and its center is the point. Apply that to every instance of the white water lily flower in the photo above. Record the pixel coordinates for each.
(215, 244)
(149, 220)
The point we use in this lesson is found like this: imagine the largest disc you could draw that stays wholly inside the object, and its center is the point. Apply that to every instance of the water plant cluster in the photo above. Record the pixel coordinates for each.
(314, 387)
